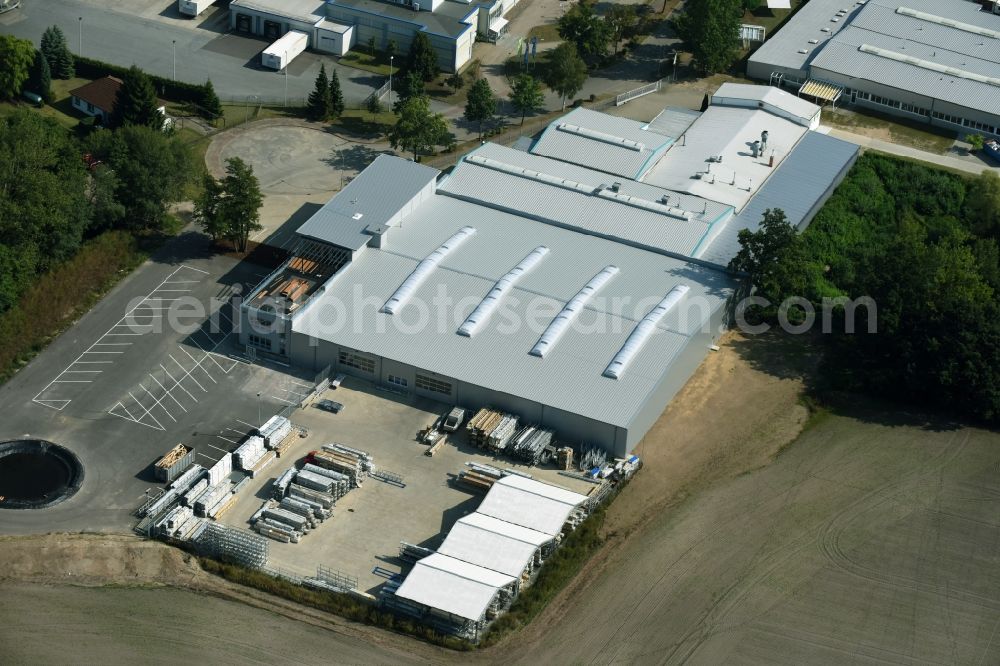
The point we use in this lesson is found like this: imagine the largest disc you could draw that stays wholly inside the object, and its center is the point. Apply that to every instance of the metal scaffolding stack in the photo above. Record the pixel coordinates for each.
(234, 545)
(490, 429)
(591, 457)
(533, 445)
(301, 499)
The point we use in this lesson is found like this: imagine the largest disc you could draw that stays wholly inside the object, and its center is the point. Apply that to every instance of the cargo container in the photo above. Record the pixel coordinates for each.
(173, 463)
(283, 51)
(193, 7)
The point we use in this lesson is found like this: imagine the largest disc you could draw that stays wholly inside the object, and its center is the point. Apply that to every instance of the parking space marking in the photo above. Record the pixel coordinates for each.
(59, 404)
(187, 373)
(227, 439)
(177, 383)
(167, 392)
(287, 402)
(252, 426)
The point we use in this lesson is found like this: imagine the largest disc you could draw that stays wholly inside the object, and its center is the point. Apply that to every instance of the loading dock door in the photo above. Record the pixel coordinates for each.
(244, 23)
(272, 29)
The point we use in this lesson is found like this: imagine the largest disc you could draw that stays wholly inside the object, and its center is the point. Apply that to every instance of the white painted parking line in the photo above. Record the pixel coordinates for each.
(308, 386)
(167, 392)
(233, 441)
(187, 373)
(84, 371)
(81, 362)
(246, 424)
(194, 269)
(178, 384)
(217, 448)
(159, 403)
(206, 456)
(112, 344)
(72, 381)
(197, 364)
(287, 402)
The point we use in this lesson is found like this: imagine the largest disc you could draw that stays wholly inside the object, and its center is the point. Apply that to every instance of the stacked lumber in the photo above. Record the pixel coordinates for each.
(491, 429)
(476, 480)
(303, 265)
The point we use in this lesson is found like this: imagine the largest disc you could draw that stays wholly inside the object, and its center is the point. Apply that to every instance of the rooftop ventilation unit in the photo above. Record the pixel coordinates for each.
(642, 331)
(814, 41)
(423, 269)
(928, 65)
(601, 136)
(558, 326)
(486, 307)
(824, 30)
(941, 20)
(803, 51)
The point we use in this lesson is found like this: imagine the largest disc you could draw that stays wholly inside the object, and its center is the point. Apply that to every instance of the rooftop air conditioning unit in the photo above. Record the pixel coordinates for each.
(814, 41)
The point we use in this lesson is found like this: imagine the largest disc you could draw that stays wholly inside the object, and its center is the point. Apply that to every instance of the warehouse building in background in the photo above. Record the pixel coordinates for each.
(336, 26)
(577, 284)
(936, 61)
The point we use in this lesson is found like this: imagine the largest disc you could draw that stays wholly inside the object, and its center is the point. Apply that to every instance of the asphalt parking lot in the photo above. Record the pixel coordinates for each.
(362, 538)
(136, 375)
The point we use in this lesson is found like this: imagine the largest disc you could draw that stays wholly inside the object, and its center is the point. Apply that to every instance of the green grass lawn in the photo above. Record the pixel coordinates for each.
(900, 130)
(769, 18)
(548, 32)
(61, 110)
(359, 58)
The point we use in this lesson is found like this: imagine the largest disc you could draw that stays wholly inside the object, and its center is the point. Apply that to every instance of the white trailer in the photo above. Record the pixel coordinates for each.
(193, 7)
(283, 51)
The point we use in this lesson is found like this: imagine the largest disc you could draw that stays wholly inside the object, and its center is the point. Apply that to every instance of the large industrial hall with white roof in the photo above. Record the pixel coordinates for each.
(576, 284)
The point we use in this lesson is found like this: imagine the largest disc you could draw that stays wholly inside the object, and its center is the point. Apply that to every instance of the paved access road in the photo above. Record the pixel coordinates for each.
(144, 32)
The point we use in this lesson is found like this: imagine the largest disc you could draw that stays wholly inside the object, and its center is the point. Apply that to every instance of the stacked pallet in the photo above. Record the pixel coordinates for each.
(341, 482)
(275, 430)
(476, 480)
(195, 491)
(346, 462)
(280, 485)
(564, 458)
(259, 466)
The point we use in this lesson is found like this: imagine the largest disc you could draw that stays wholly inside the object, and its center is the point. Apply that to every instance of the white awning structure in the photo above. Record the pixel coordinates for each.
(493, 544)
(498, 25)
(529, 503)
(779, 4)
(452, 586)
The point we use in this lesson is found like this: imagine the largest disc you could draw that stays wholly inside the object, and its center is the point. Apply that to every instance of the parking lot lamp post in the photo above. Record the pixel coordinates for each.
(286, 78)
(390, 80)
(173, 54)
(259, 422)
(80, 50)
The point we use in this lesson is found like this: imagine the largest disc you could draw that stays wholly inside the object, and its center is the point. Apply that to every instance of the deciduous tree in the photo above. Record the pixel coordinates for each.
(480, 104)
(621, 18)
(240, 205)
(16, 58)
(711, 30)
(526, 95)
(582, 27)
(565, 71)
(418, 128)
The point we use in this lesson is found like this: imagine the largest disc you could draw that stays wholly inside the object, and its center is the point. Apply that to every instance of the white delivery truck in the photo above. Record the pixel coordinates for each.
(193, 7)
(283, 51)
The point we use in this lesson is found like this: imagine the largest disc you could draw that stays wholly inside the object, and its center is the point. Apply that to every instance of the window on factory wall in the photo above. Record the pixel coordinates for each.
(434, 385)
(258, 341)
(396, 381)
(362, 363)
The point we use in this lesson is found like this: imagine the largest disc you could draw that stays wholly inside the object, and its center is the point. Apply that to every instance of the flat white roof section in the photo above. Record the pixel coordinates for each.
(424, 269)
(531, 174)
(516, 532)
(492, 299)
(453, 586)
(487, 548)
(570, 311)
(642, 331)
(541, 509)
(542, 489)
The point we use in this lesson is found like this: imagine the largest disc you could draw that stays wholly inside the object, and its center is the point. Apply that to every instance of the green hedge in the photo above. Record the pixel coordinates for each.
(171, 91)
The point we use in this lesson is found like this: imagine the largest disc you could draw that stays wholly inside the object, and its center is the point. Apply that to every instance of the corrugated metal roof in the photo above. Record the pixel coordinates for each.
(581, 211)
(782, 48)
(525, 509)
(796, 186)
(560, 142)
(673, 120)
(796, 106)
(497, 357)
(843, 57)
(453, 586)
(374, 198)
(540, 489)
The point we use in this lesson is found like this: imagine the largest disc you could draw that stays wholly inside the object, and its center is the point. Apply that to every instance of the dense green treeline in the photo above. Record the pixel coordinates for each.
(922, 243)
(52, 199)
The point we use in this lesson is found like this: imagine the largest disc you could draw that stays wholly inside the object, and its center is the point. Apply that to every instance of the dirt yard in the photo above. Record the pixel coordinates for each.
(872, 539)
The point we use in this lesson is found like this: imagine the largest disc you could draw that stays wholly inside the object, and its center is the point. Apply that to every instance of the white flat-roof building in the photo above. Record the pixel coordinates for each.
(936, 61)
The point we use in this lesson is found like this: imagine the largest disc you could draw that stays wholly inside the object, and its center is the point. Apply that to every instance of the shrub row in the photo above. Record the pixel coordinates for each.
(330, 602)
(52, 303)
(171, 91)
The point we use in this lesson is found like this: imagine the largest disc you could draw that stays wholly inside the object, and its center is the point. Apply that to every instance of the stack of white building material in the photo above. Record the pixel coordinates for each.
(248, 453)
(275, 430)
(503, 433)
(194, 492)
(220, 470)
